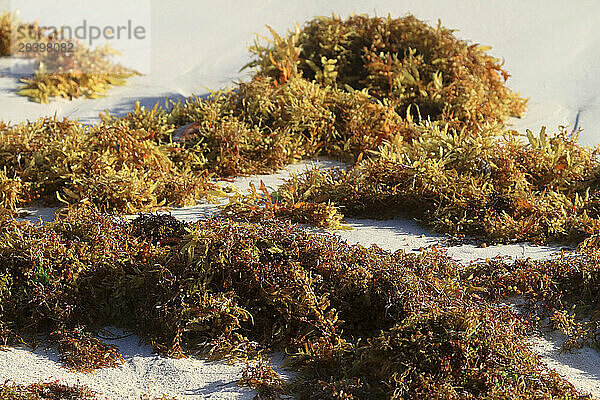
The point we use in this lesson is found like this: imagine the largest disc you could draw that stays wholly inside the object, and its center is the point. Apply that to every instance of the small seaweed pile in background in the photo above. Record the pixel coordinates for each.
(83, 72)
(357, 322)
(70, 70)
(13, 31)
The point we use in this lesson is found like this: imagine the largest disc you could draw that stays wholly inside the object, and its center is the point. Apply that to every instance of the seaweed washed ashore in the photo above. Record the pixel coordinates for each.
(412, 104)
(227, 289)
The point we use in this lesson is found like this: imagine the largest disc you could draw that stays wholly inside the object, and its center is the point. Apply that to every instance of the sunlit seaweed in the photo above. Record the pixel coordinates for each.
(421, 70)
(115, 168)
(57, 391)
(486, 183)
(151, 158)
(84, 353)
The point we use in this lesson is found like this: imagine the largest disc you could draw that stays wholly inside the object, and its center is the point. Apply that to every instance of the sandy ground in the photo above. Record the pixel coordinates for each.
(142, 373)
(551, 48)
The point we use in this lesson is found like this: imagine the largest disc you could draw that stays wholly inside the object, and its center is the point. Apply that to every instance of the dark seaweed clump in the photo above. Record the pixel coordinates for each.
(563, 292)
(357, 322)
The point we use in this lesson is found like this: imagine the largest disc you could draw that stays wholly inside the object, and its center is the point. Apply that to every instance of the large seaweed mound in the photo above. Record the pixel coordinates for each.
(421, 70)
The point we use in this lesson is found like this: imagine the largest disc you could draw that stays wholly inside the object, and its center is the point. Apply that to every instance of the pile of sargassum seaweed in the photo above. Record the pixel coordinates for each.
(419, 115)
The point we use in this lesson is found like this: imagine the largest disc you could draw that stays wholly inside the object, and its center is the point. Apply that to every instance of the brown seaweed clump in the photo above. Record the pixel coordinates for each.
(422, 71)
(356, 321)
(261, 126)
(562, 292)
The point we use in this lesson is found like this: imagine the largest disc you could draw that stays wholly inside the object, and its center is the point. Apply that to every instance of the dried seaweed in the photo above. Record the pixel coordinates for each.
(113, 167)
(564, 291)
(357, 322)
(14, 31)
(151, 158)
(487, 183)
(261, 377)
(84, 353)
(257, 206)
(261, 126)
(56, 391)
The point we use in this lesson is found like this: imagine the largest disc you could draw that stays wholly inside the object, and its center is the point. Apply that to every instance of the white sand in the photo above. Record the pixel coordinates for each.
(551, 49)
(143, 373)
(580, 366)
